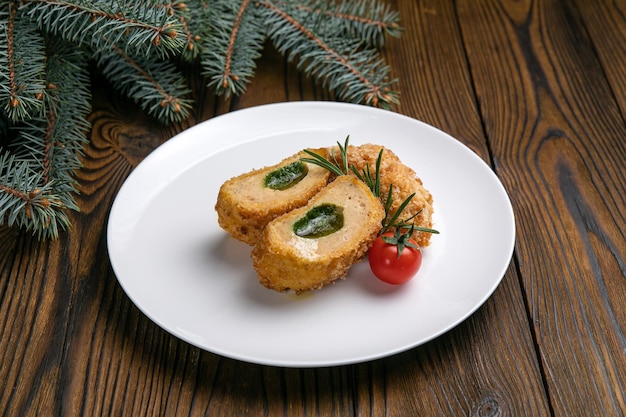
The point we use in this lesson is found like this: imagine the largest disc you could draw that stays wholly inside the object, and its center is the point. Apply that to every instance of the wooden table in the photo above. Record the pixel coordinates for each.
(536, 88)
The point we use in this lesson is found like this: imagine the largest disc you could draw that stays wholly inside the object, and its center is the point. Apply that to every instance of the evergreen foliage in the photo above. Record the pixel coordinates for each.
(46, 47)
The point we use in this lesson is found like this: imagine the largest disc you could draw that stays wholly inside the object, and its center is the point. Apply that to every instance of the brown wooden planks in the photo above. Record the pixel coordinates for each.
(471, 370)
(558, 143)
(536, 88)
(605, 24)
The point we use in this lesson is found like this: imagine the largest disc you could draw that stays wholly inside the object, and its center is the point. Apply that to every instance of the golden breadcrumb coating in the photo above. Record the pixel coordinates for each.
(405, 182)
(244, 205)
(285, 261)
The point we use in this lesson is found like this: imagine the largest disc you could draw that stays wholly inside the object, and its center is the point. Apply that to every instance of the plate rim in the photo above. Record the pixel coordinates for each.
(171, 143)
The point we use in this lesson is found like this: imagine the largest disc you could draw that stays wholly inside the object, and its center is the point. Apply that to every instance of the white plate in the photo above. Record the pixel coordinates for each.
(196, 282)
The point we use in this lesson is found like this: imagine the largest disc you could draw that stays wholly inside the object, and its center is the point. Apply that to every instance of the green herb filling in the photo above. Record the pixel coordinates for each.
(286, 176)
(320, 221)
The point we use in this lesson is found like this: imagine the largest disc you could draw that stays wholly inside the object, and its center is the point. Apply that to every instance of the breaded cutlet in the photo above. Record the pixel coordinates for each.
(286, 261)
(245, 204)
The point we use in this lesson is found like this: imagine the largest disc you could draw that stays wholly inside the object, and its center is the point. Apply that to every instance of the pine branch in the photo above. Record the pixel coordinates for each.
(367, 20)
(46, 45)
(134, 26)
(229, 54)
(22, 64)
(25, 205)
(354, 72)
(60, 133)
(46, 149)
(193, 16)
(156, 85)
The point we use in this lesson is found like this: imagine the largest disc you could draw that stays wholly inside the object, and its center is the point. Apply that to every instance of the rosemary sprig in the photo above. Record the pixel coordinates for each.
(333, 166)
(366, 176)
(393, 222)
(404, 223)
(342, 167)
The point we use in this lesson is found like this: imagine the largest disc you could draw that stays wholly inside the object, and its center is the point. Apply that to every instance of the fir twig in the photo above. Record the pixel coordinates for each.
(25, 205)
(155, 85)
(193, 16)
(46, 45)
(37, 184)
(229, 55)
(136, 26)
(367, 20)
(345, 66)
(22, 63)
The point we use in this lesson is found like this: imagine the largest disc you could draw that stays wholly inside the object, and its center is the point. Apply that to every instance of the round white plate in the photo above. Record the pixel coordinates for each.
(196, 282)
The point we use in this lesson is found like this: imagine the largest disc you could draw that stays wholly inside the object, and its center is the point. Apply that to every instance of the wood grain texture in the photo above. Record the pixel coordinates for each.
(493, 351)
(107, 357)
(558, 142)
(535, 88)
(482, 367)
(430, 64)
(605, 24)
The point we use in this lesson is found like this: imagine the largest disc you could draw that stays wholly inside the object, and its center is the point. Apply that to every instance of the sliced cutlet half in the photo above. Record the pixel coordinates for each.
(286, 261)
(246, 203)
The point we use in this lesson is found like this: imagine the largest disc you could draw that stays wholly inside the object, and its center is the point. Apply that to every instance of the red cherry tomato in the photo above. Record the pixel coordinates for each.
(388, 266)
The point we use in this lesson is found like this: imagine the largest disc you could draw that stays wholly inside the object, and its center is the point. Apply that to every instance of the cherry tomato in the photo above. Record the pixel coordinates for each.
(387, 265)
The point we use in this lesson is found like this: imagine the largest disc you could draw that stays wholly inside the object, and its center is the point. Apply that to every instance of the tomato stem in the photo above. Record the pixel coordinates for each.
(401, 240)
